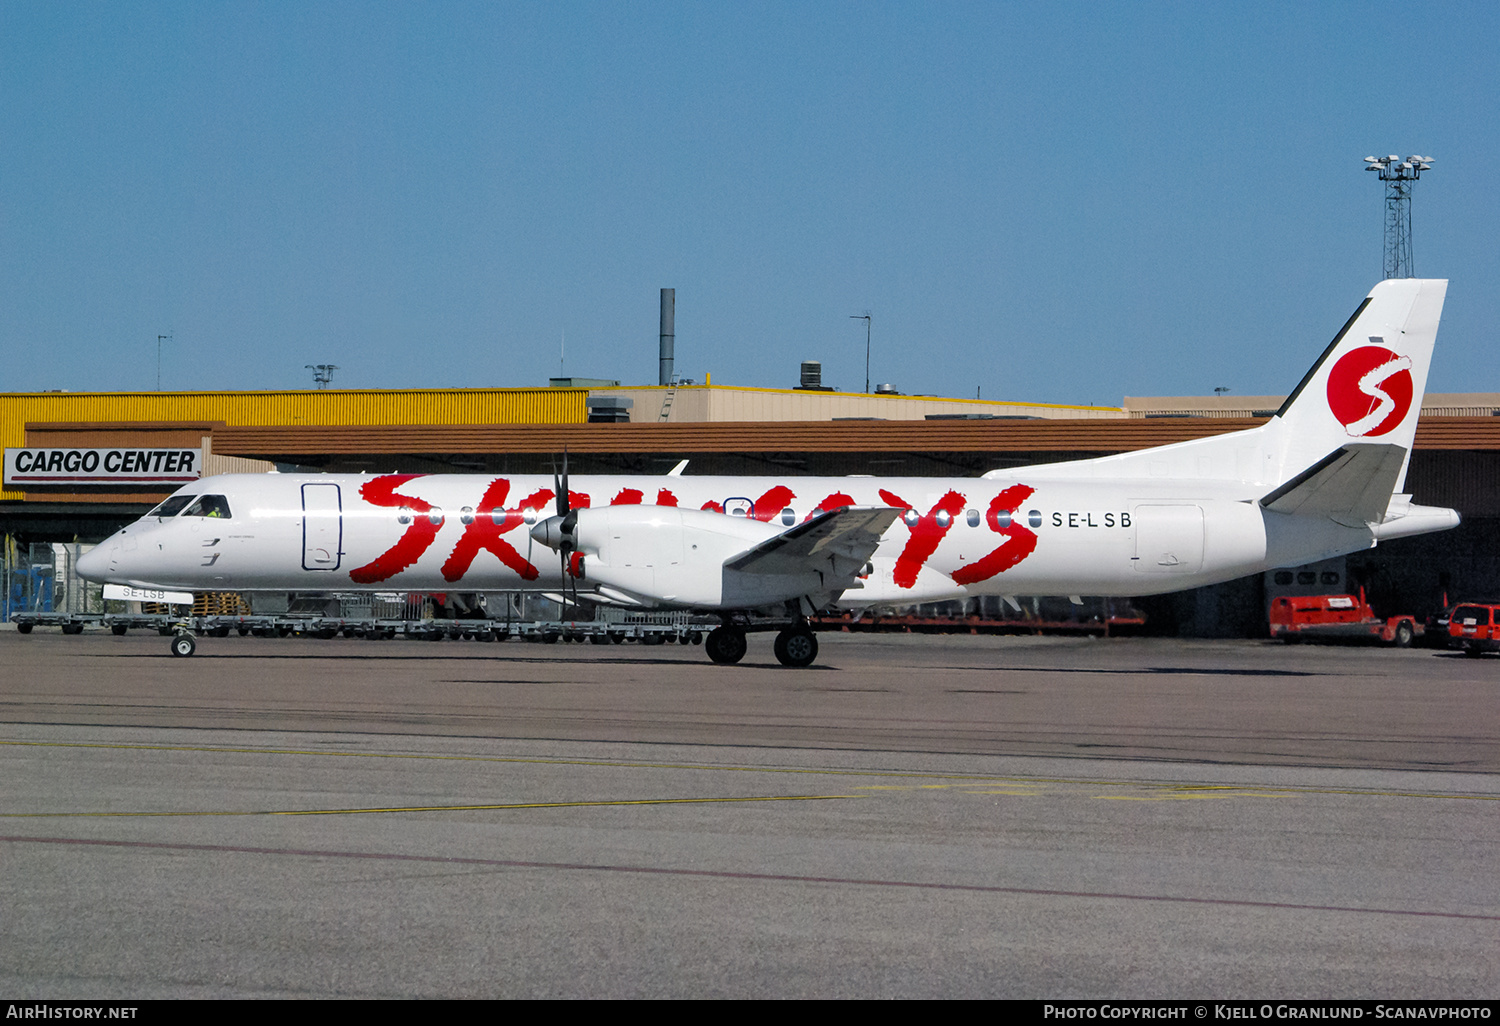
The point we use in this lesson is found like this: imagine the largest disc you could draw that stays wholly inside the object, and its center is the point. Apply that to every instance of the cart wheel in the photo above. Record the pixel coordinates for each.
(183, 645)
(1403, 634)
(118, 629)
(24, 628)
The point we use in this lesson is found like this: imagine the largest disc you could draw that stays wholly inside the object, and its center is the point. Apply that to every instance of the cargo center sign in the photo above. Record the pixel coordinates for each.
(102, 466)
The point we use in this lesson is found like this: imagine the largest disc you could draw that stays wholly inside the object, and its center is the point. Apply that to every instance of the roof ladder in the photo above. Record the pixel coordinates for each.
(666, 404)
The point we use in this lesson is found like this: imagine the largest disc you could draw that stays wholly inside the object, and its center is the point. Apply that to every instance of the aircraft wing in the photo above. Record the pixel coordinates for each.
(842, 540)
(1352, 484)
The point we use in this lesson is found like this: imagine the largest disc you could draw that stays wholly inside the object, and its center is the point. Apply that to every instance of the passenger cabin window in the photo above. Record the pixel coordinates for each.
(972, 516)
(215, 506)
(788, 516)
(172, 506)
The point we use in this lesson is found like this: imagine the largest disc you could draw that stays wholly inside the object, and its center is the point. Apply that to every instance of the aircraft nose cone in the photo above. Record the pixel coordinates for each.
(93, 565)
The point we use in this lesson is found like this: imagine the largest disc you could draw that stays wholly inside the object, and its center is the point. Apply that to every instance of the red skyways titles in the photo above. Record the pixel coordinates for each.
(838, 500)
(634, 496)
(484, 527)
(491, 520)
(1020, 542)
(926, 533)
(483, 532)
(765, 508)
(381, 491)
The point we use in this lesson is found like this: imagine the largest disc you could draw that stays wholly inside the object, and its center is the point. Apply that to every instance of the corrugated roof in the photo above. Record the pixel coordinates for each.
(1084, 436)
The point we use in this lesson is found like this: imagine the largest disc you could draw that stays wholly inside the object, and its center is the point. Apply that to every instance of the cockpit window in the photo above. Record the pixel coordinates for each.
(172, 506)
(209, 506)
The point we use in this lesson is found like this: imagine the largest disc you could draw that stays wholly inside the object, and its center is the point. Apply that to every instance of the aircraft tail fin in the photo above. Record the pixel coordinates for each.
(1340, 444)
(1367, 386)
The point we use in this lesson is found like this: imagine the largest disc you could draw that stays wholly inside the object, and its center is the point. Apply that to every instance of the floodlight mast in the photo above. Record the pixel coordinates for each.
(322, 373)
(1398, 176)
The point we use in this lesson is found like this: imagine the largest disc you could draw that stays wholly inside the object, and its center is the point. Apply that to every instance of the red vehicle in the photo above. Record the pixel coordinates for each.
(1475, 627)
(1296, 617)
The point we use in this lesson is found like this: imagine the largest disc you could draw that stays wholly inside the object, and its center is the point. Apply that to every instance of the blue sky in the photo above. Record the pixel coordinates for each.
(1049, 202)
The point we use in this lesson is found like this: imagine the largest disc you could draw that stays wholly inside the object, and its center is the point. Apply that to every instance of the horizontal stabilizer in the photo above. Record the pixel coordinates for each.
(839, 541)
(1352, 485)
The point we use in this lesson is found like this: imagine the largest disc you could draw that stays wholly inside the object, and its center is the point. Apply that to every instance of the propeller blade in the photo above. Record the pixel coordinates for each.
(560, 485)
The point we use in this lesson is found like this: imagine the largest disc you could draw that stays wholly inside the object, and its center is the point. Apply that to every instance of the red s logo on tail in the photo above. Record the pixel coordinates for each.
(1370, 391)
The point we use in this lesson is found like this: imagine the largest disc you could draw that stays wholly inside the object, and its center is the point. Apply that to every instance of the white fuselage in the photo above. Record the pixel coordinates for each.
(957, 538)
(1320, 478)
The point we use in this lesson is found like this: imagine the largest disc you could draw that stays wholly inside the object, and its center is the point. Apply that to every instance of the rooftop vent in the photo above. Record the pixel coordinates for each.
(812, 377)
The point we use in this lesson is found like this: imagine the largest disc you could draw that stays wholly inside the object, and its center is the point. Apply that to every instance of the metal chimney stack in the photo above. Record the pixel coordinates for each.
(668, 333)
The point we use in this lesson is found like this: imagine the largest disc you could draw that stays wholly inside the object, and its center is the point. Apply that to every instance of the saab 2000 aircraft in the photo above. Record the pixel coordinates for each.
(1322, 478)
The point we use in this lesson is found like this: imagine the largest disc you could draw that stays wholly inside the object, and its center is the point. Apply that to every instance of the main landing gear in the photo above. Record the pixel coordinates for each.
(725, 645)
(796, 646)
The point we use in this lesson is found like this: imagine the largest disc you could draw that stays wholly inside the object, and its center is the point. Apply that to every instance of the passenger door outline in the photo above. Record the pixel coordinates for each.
(322, 527)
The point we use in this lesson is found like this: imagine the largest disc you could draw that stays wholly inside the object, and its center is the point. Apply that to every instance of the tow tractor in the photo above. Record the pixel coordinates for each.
(1295, 617)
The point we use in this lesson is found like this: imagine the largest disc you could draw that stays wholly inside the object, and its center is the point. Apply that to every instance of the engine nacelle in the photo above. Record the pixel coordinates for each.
(670, 556)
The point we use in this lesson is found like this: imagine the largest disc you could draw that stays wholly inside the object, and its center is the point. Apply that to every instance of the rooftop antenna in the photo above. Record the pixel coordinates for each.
(866, 318)
(159, 340)
(1398, 176)
(322, 373)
